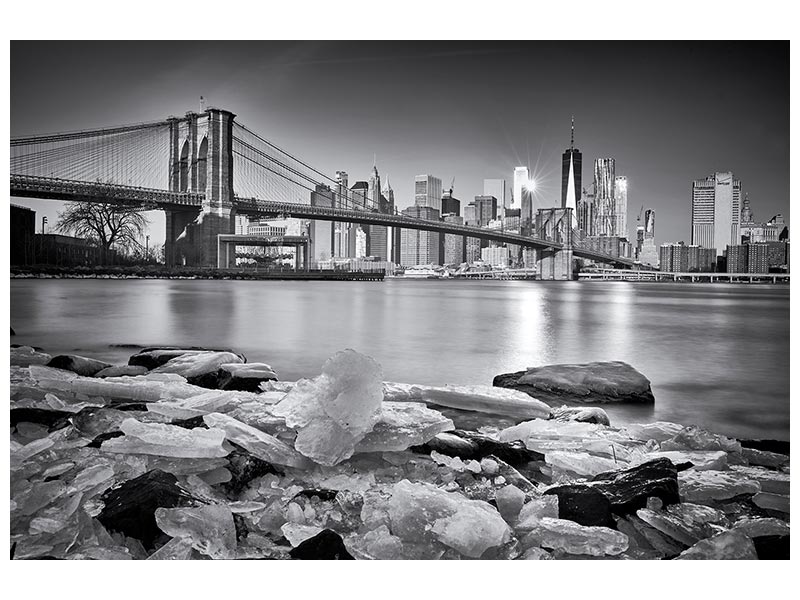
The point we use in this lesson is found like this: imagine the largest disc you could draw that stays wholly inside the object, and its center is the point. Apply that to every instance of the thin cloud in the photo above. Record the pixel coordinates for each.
(389, 58)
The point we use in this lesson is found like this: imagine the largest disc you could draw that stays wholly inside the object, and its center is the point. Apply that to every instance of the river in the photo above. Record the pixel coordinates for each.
(717, 354)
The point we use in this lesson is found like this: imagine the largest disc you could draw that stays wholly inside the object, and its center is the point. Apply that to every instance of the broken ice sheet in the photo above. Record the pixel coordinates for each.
(210, 528)
(560, 534)
(167, 440)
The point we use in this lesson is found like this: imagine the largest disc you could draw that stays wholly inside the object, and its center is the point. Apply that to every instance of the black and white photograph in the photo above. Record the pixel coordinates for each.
(399, 299)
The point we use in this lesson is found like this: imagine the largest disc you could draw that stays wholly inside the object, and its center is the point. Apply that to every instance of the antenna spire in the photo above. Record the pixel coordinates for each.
(572, 136)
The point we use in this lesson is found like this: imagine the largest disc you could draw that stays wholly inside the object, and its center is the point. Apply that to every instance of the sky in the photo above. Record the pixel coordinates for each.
(667, 112)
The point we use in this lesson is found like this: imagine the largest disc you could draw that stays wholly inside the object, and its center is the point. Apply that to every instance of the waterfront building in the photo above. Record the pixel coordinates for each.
(682, 258)
(604, 197)
(428, 192)
(497, 188)
(392, 233)
(778, 256)
(612, 245)
(454, 245)
(496, 256)
(420, 247)
(361, 243)
(621, 206)
(716, 211)
(571, 174)
(240, 224)
(341, 231)
(321, 233)
(748, 258)
(752, 232)
(472, 250)
(485, 210)
(23, 228)
(648, 254)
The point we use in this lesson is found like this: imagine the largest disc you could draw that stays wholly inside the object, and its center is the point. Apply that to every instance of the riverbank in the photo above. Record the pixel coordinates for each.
(167, 458)
(161, 272)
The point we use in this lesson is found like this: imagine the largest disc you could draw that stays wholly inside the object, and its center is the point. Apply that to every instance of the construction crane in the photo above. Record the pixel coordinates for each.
(639, 218)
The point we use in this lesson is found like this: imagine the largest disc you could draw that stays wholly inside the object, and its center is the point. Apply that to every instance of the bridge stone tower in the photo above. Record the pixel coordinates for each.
(201, 161)
(555, 224)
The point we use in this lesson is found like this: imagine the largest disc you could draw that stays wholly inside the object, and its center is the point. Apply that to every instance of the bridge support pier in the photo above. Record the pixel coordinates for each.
(555, 265)
(178, 249)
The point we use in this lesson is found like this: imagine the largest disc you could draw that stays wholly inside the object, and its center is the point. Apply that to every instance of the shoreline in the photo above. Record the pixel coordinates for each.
(557, 484)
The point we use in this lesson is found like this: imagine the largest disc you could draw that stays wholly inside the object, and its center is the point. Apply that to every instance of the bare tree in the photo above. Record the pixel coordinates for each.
(108, 225)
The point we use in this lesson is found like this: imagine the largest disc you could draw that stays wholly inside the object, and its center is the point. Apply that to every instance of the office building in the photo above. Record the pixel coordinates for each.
(341, 231)
(450, 205)
(571, 175)
(523, 197)
(716, 211)
(472, 250)
(23, 228)
(497, 188)
(680, 258)
(621, 206)
(586, 214)
(604, 197)
(419, 247)
(454, 245)
(496, 256)
(470, 215)
(361, 243)
(485, 210)
(428, 192)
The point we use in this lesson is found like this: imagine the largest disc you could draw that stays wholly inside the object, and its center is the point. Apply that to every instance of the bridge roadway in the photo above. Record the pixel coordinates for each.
(28, 186)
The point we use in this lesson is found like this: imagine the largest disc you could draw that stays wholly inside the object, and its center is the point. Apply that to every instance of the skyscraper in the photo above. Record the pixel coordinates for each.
(621, 206)
(377, 235)
(716, 211)
(523, 195)
(604, 197)
(485, 209)
(571, 174)
(497, 188)
(428, 191)
(321, 232)
(648, 252)
(418, 247)
(341, 231)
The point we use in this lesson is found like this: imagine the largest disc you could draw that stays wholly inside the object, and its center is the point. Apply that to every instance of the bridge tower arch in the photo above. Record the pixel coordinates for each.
(207, 168)
(555, 224)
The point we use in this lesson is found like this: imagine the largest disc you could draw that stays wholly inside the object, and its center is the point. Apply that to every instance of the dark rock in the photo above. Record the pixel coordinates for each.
(154, 357)
(245, 467)
(191, 423)
(12, 331)
(777, 446)
(129, 406)
(322, 494)
(245, 377)
(468, 445)
(629, 490)
(130, 507)
(98, 440)
(597, 382)
(772, 547)
(87, 367)
(326, 545)
(583, 504)
(240, 524)
(52, 419)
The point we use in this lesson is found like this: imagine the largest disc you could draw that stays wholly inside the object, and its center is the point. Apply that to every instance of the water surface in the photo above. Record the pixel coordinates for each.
(716, 354)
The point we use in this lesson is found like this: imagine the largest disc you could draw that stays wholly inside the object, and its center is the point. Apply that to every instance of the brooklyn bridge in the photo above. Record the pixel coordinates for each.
(205, 168)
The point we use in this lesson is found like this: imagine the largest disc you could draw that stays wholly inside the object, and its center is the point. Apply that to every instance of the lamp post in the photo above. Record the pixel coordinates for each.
(147, 249)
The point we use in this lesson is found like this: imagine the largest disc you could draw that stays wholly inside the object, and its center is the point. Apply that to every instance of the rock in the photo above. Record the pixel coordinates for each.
(121, 371)
(326, 545)
(210, 528)
(509, 500)
(777, 446)
(628, 490)
(130, 507)
(421, 512)
(167, 440)
(152, 358)
(477, 398)
(401, 425)
(244, 467)
(702, 460)
(86, 367)
(468, 445)
(261, 445)
(25, 356)
(729, 545)
(764, 458)
(659, 431)
(199, 368)
(590, 414)
(51, 419)
(695, 438)
(703, 487)
(333, 412)
(570, 537)
(583, 505)
(597, 382)
(776, 503)
(242, 377)
(772, 547)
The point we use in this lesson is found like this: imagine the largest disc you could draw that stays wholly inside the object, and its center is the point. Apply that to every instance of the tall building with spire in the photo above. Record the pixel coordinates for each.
(377, 235)
(571, 174)
(392, 233)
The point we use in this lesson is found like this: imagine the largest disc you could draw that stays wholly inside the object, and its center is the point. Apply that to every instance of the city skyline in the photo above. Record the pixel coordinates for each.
(661, 145)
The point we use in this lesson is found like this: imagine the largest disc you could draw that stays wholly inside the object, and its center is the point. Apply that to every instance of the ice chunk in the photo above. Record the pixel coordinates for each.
(178, 548)
(658, 431)
(81, 365)
(695, 438)
(581, 463)
(589, 414)
(91, 477)
(167, 440)
(334, 411)
(421, 511)
(402, 425)
(510, 500)
(773, 502)
(687, 523)
(536, 554)
(703, 460)
(761, 526)
(764, 458)
(570, 537)
(377, 544)
(535, 510)
(479, 398)
(775, 482)
(24, 356)
(210, 529)
(297, 534)
(702, 487)
(729, 545)
(259, 444)
(191, 365)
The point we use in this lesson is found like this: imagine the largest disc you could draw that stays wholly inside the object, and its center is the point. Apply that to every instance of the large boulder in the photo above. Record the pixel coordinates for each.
(469, 445)
(629, 490)
(87, 367)
(583, 504)
(239, 377)
(154, 357)
(597, 382)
